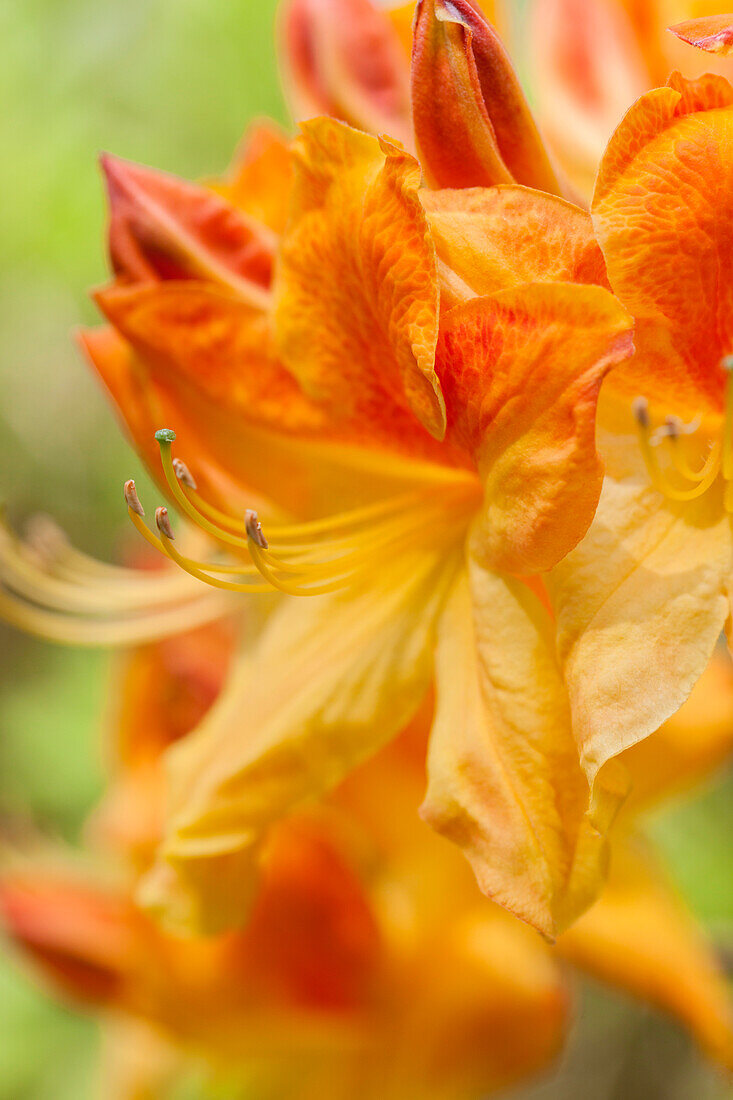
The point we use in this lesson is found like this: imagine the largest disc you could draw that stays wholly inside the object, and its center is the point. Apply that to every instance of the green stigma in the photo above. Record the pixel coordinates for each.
(165, 435)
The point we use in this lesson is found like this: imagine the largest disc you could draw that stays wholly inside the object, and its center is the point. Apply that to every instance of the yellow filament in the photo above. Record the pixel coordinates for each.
(194, 571)
(186, 506)
(683, 467)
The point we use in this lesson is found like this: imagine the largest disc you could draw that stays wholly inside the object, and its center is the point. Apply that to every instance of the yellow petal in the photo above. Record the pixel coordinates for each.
(689, 746)
(640, 938)
(357, 292)
(640, 604)
(505, 783)
(331, 680)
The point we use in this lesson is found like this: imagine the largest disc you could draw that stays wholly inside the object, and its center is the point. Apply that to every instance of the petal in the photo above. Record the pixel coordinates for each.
(713, 33)
(690, 746)
(473, 125)
(82, 937)
(640, 938)
(640, 605)
(203, 364)
(357, 292)
(163, 227)
(504, 782)
(357, 666)
(663, 214)
(344, 58)
(499, 237)
(261, 176)
(588, 69)
(521, 372)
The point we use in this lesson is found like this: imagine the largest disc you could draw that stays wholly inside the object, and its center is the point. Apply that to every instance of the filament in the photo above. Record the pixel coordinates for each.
(679, 480)
(305, 558)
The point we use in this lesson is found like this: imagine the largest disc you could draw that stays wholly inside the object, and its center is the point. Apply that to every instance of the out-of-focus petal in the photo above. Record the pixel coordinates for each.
(588, 69)
(358, 665)
(473, 126)
(81, 936)
(505, 783)
(162, 227)
(357, 291)
(713, 33)
(499, 237)
(663, 215)
(691, 744)
(344, 58)
(260, 177)
(639, 937)
(640, 604)
(521, 372)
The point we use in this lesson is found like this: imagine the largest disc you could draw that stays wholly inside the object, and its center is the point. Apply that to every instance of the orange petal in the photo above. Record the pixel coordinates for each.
(165, 228)
(357, 293)
(505, 782)
(261, 176)
(663, 214)
(713, 33)
(473, 126)
(311, 935)
(639, 937)
(81, 937)
(588, 68)
(344, 58)
(690, 745)
(490, 239)
(521, 372)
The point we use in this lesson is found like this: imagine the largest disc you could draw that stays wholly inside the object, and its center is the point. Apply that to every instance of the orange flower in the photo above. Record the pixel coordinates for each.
(332, 983)
(591, 59)
(427, 419)
(635, 636)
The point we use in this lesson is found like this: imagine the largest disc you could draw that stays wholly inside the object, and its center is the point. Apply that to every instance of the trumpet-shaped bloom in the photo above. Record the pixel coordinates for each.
(331, 984)
(635, 636)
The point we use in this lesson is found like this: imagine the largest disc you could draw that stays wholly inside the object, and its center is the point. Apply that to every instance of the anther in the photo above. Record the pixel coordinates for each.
(184, 474)
(254, 529)
(165, 435)
(726, 363)
(45, 537)
(164, 524)
(640, 409)
(132, 499)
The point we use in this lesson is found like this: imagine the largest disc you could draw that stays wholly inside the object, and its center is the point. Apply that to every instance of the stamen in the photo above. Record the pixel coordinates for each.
(254, 529)
(164, 524)
(132, 499)
(184, 474)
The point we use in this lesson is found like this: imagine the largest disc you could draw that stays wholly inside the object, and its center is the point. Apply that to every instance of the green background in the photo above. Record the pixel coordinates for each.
(172, 83)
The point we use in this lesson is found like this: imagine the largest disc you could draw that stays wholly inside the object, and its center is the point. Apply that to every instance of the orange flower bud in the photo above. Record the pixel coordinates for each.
(473, 126)
(344, 58)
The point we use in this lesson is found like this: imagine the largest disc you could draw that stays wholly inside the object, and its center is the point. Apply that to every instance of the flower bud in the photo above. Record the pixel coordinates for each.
(473, 125)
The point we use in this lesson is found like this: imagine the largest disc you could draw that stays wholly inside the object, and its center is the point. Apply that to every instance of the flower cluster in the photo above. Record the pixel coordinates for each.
(452, 452)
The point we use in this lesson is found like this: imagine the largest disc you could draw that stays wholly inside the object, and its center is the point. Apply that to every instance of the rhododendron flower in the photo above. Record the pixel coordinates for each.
(331, 985)
(635, 635)
(591, 59)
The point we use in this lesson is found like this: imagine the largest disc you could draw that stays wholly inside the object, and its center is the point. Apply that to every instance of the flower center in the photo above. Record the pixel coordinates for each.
(666, 451)
(311, 558)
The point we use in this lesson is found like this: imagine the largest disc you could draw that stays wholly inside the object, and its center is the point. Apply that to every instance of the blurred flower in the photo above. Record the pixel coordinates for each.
(591, 59)
(368, 966)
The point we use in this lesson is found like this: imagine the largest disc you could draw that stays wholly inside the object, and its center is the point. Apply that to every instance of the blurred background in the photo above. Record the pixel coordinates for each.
(172, 83)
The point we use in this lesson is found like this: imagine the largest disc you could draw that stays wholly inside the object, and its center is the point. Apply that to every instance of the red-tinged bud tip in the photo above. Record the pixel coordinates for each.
(164, 523)
(132, 499)
(473, 126)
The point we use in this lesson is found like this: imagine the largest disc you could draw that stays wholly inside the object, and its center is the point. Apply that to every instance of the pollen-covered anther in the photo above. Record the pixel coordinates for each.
(254, 529)
(184, 474)
(163, 522)
(44, 537)
(132, 499)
